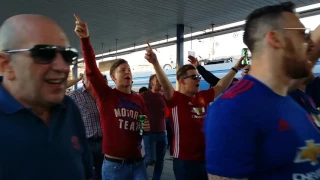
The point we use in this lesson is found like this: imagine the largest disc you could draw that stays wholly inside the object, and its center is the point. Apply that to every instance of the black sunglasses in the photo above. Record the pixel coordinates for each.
(45, 54)
(193, 76)
(306, 32)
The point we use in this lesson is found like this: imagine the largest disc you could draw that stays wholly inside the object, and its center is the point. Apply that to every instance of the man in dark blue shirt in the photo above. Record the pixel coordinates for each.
(255, 130)
(42, 136)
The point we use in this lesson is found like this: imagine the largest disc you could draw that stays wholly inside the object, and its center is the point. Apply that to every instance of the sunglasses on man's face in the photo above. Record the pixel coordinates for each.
(193, 76)
(305, 31)
(45, 54)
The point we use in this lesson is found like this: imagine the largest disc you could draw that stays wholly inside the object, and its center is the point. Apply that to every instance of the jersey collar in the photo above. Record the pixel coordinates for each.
(8, 104)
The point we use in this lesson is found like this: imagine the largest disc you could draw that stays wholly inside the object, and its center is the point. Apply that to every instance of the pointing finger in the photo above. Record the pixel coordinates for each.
(148, 45)
(77, 17)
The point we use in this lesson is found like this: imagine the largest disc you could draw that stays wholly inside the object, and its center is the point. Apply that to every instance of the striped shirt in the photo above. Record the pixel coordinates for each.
(89, 112)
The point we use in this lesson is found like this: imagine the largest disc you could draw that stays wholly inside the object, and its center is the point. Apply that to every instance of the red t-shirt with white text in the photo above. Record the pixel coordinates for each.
(119, 112)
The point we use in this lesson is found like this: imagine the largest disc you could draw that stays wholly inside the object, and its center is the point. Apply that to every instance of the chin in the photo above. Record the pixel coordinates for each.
(196, 91)
(55, 98)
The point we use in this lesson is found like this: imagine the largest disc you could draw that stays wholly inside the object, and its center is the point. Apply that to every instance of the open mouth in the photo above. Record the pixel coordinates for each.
(55, 81)
(197, 85)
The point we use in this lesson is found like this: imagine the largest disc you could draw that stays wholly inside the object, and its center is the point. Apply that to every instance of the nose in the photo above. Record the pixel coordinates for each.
(59, 64)
(128, 71)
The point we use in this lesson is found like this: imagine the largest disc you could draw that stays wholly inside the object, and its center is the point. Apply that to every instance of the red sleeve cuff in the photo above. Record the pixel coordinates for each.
(85, 43)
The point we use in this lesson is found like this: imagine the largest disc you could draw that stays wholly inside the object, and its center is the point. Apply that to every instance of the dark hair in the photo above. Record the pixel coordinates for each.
(143, 89)
(117, 64)
(263, 20)
(182, 71)
(151, 78)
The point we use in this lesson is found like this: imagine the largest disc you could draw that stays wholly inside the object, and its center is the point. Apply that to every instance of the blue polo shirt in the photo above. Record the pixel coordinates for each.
(29, 149)
(252, 132)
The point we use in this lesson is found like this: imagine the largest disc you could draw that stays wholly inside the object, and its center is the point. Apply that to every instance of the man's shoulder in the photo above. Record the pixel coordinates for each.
(76, 91)
(136, 96)
(69, 102)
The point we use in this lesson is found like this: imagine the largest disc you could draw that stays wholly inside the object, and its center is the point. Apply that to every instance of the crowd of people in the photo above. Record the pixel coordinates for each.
(264, 126)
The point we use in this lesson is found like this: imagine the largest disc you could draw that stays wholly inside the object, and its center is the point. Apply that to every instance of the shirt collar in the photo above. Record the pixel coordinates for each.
(9, 105)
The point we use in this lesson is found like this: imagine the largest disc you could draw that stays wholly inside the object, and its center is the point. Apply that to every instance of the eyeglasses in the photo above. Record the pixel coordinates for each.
(45, 54)
(306, 32)
(193, 76)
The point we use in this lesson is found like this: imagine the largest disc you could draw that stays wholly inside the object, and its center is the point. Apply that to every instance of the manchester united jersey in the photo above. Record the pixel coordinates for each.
(187, 116)
(252, 132)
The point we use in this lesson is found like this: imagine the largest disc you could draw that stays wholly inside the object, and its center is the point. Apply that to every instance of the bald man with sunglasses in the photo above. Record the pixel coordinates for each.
(42, 135)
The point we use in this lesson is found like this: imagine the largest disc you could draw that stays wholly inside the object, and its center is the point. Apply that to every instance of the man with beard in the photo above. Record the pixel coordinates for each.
(41, 132)
(255, 130)
(119, 114)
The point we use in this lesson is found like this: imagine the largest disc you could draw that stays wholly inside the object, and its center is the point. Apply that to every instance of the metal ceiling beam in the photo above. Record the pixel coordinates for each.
(205, 35)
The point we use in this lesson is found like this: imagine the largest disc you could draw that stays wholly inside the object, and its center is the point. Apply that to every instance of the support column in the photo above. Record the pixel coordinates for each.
(75, 74)
(180, 41)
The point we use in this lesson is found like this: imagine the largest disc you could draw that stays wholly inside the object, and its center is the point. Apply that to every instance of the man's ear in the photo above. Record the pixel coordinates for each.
(113, 77)
(181, 81)
(6, 67)
(274, 39)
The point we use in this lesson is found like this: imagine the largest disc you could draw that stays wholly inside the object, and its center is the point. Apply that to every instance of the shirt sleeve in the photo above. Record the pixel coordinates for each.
(230, 140)
(208, 76)
(99, 86)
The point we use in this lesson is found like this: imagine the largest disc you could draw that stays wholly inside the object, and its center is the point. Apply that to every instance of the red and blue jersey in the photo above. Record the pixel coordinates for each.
(252, 132)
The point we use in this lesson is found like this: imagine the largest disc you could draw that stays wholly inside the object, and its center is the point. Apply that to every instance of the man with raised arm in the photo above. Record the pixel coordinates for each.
(256, 130)
(188, 109)
(155, 141)
(119, 114)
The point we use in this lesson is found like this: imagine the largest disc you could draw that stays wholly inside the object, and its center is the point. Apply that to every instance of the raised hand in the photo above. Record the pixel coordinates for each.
(150, 56)
(81, 28)
(239, 64)
(80, 76)
(194, 61)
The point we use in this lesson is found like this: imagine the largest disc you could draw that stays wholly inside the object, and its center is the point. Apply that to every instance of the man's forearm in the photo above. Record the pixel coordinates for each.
(164, 81)
(72, 82)
(208, 76)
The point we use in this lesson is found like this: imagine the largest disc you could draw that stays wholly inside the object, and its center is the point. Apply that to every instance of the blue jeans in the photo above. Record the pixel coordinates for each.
(119, 171)
(189, 170)
(155, 147)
